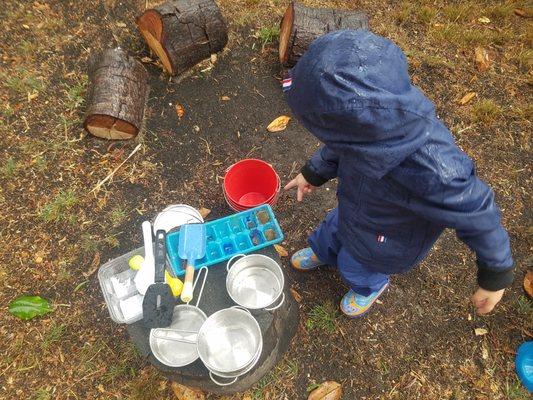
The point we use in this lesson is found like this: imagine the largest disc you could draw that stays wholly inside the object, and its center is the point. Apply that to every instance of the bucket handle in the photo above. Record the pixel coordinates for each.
(242, 308)
(220, 383)
(228, 265)
(279, 305)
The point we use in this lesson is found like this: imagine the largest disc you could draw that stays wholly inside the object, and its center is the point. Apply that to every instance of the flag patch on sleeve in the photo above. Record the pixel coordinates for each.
(286, 83)
(381, 239)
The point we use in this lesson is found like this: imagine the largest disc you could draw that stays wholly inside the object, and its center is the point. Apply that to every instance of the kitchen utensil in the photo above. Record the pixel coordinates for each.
(145, 276)
(176, 215)
(229, 340)
(175, 346)
(191, 248)
(255, 282)
(245, 232)
(158, 301)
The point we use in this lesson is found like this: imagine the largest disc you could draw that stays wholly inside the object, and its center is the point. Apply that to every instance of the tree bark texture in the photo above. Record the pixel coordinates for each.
(183, 32)
(301, 25)
(118, 90)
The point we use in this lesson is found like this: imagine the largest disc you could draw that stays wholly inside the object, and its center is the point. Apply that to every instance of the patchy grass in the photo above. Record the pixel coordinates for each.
(117, 216)
(10, 168)
(43, 394)
(54, 334)
(323, 317)
(75, 94)
(22, 82)
(268, 34)
(58, 209)
(486, 111)
(516, 391)
(524, 306)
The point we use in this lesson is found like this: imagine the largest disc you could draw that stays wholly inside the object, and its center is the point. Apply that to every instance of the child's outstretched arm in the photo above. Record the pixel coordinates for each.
(318, 170)
(466, 204)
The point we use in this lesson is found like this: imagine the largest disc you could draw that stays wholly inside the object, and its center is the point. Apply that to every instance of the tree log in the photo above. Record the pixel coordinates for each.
(301, 25)
(117, 94)
(183, 32)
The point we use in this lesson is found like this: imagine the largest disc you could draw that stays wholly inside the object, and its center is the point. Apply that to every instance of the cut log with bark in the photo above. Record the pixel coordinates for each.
(301, 25)
(117, 94)
(183, 32)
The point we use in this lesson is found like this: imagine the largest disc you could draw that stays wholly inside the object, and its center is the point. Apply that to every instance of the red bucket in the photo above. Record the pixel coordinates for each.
(250, 183)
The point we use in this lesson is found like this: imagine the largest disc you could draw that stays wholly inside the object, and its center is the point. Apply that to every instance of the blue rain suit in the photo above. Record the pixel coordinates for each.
(402, 179)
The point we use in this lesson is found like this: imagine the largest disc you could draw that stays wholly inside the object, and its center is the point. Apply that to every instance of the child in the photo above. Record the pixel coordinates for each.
(402, 179)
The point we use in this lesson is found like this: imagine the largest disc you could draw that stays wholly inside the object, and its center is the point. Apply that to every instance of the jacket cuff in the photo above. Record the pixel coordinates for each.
(494, 279)
(311, 176)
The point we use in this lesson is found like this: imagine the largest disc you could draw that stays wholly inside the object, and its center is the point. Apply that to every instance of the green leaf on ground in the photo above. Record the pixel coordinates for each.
(28, 307)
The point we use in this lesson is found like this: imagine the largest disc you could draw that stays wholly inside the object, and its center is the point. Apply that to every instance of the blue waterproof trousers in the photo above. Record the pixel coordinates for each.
(362, 279)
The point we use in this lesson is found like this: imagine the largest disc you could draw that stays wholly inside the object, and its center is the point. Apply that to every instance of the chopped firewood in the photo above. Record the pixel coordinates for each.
(183, 32)
(117, 94)
(301, 25)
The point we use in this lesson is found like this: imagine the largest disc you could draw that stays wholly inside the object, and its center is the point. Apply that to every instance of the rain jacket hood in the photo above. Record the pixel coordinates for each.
(352, 90)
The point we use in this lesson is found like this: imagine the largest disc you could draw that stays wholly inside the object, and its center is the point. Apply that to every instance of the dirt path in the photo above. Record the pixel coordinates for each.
(418, 343)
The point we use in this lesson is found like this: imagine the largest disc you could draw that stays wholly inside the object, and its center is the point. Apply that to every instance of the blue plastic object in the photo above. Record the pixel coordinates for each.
(241, 233)
(524, 364)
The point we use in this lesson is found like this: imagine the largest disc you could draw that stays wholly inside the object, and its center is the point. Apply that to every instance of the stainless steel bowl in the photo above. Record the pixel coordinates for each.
(171, 351)
(255, 281)
(242, 371)
(229, 340)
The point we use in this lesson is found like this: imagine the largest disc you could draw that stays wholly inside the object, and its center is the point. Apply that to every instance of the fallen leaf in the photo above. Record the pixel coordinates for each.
(180, 110)
(28, 307)
(480, 331)
(482, 59)
(520, 12)
(483, 20)
(95, 264)
(484, 353)
(121, 24)
(281, 250)
(279, 124)
(297, 296)
(32, 96)
(25, 26)
(528, 283)
(146, 60)
(467, 97)
(329, 390)
(224, 98)
(186, 393)
(204, 212)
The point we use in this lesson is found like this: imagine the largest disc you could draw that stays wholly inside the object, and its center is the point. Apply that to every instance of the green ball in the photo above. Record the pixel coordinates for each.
(135, 262)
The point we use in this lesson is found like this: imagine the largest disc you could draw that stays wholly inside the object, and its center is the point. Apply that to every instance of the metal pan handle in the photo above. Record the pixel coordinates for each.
(220, 383)
(228, 265)
(203, 283)
(157, 335)
(279, 305)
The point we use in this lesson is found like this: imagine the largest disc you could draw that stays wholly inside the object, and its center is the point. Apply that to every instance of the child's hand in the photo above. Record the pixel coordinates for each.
(303, 186)
(485, 300)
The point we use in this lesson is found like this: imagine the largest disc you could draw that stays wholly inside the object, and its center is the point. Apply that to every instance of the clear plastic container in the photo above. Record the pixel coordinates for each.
(123, 300)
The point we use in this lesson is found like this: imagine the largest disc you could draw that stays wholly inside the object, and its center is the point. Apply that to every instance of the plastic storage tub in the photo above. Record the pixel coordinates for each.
(123, 300)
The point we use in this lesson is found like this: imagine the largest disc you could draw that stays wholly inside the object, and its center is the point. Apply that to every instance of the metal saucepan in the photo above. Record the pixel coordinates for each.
(229, 340)
(255, 282)
(176, 346)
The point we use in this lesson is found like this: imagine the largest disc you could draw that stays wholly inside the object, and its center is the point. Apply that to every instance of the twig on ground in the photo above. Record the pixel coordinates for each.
(108, 177)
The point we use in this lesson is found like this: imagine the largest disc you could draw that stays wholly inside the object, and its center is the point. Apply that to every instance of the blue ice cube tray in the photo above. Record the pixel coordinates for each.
(240, 233)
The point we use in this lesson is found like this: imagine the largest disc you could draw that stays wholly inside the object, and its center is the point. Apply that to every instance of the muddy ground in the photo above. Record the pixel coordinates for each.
(417, 343)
